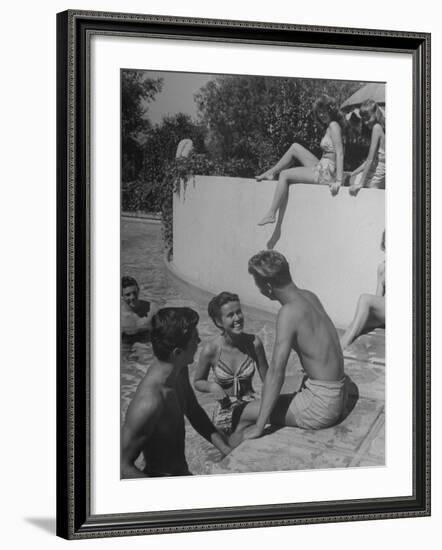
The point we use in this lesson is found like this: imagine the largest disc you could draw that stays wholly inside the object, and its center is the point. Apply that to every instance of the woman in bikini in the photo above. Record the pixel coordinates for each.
(325, 171)
(233, 357)
(371, 173)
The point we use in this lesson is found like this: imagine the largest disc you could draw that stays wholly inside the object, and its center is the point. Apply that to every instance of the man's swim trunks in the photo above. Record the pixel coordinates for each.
(319, 404)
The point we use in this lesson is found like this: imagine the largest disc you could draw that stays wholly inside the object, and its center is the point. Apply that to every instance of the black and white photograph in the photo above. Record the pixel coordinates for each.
(196, 208)
(253, 274)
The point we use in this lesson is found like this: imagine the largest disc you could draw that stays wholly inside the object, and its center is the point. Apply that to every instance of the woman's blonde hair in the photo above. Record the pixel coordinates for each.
(371, 108)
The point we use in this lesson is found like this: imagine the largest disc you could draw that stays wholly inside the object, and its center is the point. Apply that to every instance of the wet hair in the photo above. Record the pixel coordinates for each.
(371, 108)
(217, 302)
(128, 281)
(172, 327)
(329, 104)
(269, 266)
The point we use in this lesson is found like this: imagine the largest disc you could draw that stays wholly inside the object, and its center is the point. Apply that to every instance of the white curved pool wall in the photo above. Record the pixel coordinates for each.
(332, 243)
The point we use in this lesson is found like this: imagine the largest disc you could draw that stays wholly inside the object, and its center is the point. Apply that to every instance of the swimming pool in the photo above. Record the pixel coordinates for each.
(142, 257)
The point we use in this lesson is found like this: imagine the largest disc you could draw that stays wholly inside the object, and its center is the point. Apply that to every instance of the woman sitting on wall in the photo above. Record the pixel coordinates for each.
(371, 173)
(325, 171)
(370, 311)
(233, 358)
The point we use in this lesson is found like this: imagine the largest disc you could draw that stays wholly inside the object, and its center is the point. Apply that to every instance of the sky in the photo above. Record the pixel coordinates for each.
(177, 94)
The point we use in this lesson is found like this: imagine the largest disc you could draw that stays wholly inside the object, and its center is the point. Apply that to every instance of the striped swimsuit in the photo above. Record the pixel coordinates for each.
(240, 380)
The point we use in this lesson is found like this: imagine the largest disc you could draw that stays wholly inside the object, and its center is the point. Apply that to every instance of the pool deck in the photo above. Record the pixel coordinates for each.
(358, 440)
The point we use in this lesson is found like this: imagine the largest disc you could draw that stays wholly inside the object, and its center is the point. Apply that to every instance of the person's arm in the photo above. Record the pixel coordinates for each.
(141, 418)
(200, 381)
(336, 136)
(197, 416)
(261, 358)
(152, 310)
(380, 286)
(132, 323)
(358, 170)
(286, 327)
(374, 144)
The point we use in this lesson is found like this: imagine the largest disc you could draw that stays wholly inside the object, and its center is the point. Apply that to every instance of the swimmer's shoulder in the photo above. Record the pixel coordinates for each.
(148, 398)
(312, 300)
(124, 308)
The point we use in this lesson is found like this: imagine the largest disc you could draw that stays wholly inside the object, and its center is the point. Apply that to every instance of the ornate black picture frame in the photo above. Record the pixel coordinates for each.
(74, 517)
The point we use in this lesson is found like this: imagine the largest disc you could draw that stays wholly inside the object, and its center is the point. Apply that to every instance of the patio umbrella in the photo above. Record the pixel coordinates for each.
(373, 91)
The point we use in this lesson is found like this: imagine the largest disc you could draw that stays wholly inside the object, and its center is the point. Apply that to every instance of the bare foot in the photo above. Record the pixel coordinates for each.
(269, 175)
(268, 218)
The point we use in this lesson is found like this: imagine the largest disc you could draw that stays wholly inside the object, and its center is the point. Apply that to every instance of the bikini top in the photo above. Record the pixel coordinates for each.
(225, 376)
(327, 144)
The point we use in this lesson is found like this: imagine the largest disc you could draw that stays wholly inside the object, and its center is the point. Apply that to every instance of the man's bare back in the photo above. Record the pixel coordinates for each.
(163, 449)
(314, 337)
(154, 424)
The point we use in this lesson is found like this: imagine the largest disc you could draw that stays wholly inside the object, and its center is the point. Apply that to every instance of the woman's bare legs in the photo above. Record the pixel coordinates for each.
(370, 314)
(301, 174)
(276, 235)
(294, 153)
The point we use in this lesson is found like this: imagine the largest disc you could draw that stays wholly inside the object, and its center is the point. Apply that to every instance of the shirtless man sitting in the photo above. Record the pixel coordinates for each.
(155, 418)
(136, 314)
(302, 325)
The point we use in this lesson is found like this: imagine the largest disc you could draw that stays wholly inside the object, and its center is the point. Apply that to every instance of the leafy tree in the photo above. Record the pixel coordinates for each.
(161, 144)
(256, 118)
(137, 92)
(158, 149)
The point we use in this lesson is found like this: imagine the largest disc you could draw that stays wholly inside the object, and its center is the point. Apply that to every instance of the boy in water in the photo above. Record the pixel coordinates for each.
(136, 314)
(155, 418)
(302, 325)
